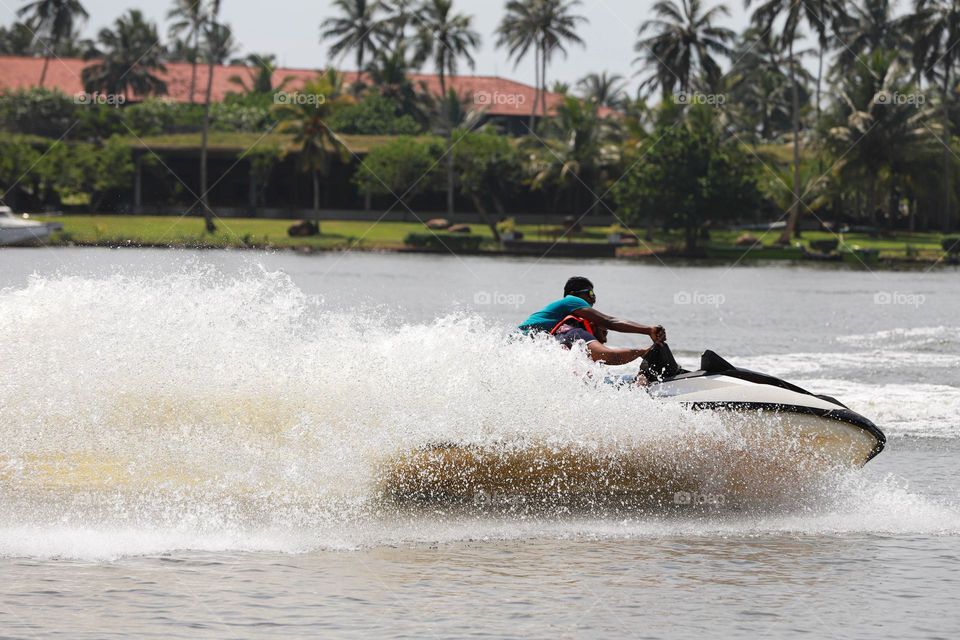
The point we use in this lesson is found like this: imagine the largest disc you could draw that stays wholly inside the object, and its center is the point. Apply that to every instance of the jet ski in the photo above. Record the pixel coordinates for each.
(774, 438)
(834, 430)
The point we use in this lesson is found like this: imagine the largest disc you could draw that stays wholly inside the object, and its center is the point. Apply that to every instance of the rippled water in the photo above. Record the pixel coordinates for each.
(202, 444)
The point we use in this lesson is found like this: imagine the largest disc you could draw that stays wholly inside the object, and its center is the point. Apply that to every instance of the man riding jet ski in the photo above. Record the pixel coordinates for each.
(572, 319)
(743, 396)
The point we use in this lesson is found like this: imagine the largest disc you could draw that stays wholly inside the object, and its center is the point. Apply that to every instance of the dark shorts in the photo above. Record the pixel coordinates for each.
(573, 335)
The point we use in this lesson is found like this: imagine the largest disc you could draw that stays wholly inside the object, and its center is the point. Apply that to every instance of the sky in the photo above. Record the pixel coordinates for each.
(291, 28)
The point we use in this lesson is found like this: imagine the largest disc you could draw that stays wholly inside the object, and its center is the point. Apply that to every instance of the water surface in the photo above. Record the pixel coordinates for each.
(192, 444)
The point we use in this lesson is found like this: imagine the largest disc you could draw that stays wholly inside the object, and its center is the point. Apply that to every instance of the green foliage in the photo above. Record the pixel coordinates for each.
(687, 176)
(374, 115)
(582, 151)
(41, 112)
(236, 116)
(404, 165)
(443, 241)
(111, 168)
(263, 158)
(488, 167)
(62, 171)
(16, 159)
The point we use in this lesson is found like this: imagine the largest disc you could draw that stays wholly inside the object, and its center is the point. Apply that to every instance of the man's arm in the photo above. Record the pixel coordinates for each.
(616, 324)
(614, 355)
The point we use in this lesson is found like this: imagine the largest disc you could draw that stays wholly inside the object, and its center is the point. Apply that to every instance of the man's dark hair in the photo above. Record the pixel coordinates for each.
(577, 284)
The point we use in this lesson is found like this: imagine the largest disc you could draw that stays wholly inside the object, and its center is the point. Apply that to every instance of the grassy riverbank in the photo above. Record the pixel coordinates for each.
(173, 231)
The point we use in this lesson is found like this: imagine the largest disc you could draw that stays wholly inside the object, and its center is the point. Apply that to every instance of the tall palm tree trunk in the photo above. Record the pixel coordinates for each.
(193, 66)
(450, 174)
(43, 72)
(823, 46)
(788, 231)
(204, 134)
(543, 82)
(316, 198)
(947, 187)
(536, 87)
(448, 133)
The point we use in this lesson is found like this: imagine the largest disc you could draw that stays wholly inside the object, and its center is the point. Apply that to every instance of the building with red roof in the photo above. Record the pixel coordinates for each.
(507, 101)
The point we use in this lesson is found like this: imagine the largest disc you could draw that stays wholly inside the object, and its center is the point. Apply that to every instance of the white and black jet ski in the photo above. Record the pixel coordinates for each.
(777, 437)
(837, 432)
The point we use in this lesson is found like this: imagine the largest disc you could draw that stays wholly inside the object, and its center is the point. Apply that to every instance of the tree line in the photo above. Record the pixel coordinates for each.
(722, 124)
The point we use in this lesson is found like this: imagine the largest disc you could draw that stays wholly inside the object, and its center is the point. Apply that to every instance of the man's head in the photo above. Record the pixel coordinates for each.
(580, 287)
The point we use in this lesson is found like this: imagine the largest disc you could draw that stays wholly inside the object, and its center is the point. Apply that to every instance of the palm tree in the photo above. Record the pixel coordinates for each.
(389, 73)
(518, 32)
(936, 34)
(683, 45)
(17, 40)
(260, 68)
(359, 29)
(217, 47)
(869, 27)
(557, 27)
(308, 122)
(606, 90)
(816, 15)
(53, 19)
(180, 50)
(759, 87)
(882, 144)
(399, 17)
(444, 37)
(189, 17)
(582, 148)
(448, 114)
(128, 57)
(544, 26)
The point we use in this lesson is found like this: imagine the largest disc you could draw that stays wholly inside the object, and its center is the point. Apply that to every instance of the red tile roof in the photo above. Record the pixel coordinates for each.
(498, 96)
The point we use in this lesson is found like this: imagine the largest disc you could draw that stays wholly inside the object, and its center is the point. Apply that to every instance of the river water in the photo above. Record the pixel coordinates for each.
(194, 445)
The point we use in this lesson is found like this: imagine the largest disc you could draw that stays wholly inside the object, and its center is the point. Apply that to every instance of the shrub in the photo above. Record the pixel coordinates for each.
(951, 245)
(374, 115)
(402, 166)
(443, 241)
(825, 246)
(39, 112)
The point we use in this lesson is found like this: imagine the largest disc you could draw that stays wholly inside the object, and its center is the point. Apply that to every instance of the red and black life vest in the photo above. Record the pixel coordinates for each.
(575, 321)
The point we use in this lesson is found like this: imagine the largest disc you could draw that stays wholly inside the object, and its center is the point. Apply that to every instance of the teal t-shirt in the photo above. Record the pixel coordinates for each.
(548, 317)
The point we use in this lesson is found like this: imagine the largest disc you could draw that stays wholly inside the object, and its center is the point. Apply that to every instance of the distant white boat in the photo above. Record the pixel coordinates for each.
(21, 231)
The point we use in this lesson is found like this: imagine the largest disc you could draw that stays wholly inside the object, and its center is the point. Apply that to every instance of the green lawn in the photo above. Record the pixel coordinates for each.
(242, 142)
(341, 234)
(188, 231)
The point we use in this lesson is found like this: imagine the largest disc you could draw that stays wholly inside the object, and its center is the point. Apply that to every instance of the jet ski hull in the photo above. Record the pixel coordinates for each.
(822, 421)
(776, 440)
